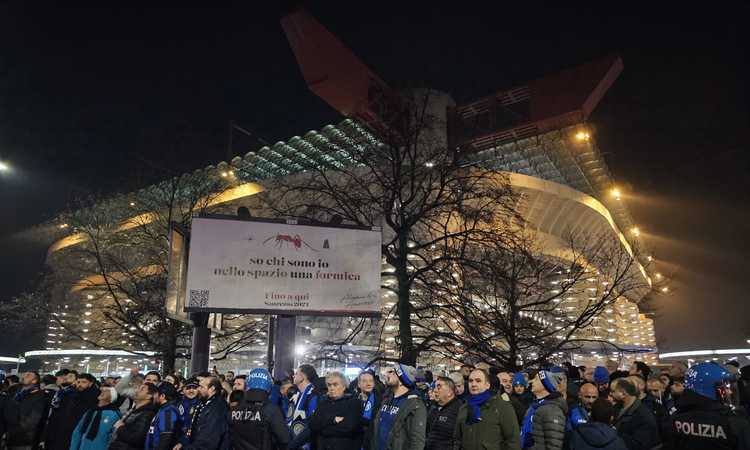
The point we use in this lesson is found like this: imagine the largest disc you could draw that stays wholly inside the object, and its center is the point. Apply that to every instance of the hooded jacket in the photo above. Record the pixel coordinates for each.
(408, 432)
(98, 420)
(595, 436)
(497, 429)
(637, 427)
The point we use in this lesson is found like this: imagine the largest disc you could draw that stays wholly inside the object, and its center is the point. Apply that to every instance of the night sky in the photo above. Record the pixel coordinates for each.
(109, 99)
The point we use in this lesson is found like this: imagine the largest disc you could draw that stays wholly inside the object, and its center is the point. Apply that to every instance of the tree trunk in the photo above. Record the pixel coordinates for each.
(169, 357)
(408, 353)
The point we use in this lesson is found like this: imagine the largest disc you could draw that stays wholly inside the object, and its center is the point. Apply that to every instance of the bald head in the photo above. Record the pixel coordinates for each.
(588, 395)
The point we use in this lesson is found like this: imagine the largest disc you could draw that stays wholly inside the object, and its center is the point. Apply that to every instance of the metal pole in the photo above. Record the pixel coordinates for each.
(271, 342)
(286, 330)
(201, 345)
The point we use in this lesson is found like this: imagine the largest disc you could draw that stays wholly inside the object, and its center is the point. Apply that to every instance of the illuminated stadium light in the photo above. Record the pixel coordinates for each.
(727, 351)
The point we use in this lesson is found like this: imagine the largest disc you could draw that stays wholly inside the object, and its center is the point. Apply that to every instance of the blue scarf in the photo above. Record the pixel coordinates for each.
(25, 392)
(369, 406)
(58, 398)
(475, 402)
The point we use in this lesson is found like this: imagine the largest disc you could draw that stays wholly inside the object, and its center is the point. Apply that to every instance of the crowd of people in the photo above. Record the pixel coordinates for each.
(397, 408)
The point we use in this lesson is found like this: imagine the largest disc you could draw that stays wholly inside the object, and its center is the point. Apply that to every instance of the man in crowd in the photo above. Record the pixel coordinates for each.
(635, 423)
(94, 430)
(597, 433)
(337, 421)
(458, 380)
(130, 431)
(25, 413)
(306, 399)
(152, 377)
(441, 423)
(371, 398)
(521, 391)
(210, 427)
(601, 380)
(73, 405)
(127, 388)
(506, 381)
(164, 431)
(641, 369)
(485, 418)
(256, 423)
(239, 383)
(543, 427)
(401, 421)
(703, 421)
(186, 407)
(581, 412)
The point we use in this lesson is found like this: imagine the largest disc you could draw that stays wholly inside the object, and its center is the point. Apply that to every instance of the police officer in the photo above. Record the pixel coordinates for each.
(703, 420)
(256, 423)
(164, 431)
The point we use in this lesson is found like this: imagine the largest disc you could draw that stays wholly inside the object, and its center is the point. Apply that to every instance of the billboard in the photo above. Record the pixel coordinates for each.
(272, 267)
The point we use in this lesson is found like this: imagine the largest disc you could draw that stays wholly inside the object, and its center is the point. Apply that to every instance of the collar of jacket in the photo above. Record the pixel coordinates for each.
(453, 400)
(628, 412)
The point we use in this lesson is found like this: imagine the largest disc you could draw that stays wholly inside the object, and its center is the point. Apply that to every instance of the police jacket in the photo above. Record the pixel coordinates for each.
(65, 418)
(25, 417)
(135, 425)
(701, 423)
(210, 427)
(258, 424)
(337, 424)
(164, 431)
(637, 427)
(441, 425)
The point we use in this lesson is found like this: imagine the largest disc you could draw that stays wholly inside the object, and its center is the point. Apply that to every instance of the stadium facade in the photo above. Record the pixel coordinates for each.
(537, 133)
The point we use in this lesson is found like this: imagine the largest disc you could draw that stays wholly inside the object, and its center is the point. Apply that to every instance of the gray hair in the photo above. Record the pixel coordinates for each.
(340, 376)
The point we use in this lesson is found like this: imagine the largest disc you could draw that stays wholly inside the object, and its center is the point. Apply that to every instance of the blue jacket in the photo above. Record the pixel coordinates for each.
(164, 430)
(107, 420)
(210, 427)
(186, 407)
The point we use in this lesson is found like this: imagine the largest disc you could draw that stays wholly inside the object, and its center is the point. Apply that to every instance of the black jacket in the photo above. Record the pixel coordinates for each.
(63, 420)
(25, 419)
(441, 426)
(257, 424)
(132, 434)
(595, 436)
(374, 408)
(637, 427)
(330, 434)
(210, 427)
(701, 423)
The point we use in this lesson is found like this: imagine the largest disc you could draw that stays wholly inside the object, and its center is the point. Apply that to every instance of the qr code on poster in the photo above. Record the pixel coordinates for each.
(198, 298)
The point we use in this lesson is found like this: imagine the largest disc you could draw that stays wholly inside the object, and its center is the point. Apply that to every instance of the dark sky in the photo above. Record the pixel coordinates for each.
(91, 96)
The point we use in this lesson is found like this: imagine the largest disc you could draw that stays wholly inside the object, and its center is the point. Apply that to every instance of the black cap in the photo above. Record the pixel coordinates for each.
(168, 390)
(191, 382)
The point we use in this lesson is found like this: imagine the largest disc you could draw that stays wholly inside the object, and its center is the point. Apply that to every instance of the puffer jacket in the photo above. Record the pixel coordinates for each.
(548, 426)
(498, 427)
(595, 436)
(409, 427)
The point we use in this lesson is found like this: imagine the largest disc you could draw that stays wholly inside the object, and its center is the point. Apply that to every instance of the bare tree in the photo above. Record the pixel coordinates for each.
(108, 281)
(517, 305)
(407, 181)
